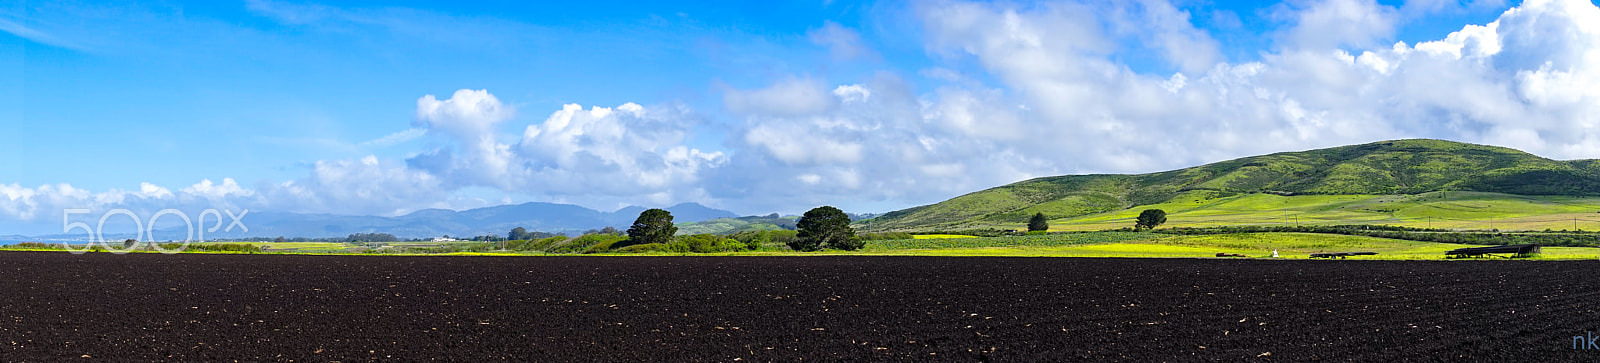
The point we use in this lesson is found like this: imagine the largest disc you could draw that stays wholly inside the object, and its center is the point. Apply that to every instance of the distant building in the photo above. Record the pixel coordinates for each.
(444, 239)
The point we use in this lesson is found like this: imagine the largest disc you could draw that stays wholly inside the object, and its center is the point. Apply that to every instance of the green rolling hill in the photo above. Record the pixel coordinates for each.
(1405, 182)
(771, 222)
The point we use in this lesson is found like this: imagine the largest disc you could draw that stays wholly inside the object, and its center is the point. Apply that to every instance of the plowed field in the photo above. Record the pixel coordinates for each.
(346, 308)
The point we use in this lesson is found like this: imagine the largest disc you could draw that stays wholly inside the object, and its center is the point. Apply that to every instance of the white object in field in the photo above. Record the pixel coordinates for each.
(1274, 253)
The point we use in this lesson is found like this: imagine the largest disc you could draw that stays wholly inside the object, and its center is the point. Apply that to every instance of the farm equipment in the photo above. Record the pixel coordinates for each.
(1513, 250)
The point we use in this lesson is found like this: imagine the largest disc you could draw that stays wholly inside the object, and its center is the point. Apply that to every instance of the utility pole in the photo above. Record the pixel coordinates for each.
(1430, 222)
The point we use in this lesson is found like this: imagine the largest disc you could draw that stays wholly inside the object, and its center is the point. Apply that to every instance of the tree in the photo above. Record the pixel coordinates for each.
(279, 240)
(1150, 218)
(1037, 223)
(518, 233)
(825, 227)
(610, 230)
(653, 226)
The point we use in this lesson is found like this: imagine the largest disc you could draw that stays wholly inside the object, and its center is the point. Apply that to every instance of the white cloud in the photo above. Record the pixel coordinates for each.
(1326, 24)
(623, 151)
(843, 43)
(468, 114)
(794, 96)
(366, 186)
(469, 118)
(1164, 27)
(882, 145)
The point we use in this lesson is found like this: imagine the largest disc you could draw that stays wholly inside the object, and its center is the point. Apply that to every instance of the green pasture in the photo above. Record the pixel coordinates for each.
(1447, 210)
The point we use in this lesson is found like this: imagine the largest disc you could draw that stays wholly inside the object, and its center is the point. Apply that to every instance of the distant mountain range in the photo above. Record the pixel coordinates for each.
(1382, 168)
(497, 220)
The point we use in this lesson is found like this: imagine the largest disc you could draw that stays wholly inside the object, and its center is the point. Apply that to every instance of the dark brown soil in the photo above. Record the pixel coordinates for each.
(346, 308)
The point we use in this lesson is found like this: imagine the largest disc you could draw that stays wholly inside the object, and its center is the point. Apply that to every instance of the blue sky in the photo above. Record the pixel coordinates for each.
(386, 108)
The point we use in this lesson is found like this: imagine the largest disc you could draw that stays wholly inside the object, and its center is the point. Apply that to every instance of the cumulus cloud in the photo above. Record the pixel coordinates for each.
(467, 114)
(1330, 24)
(1167, 29)
(883, 144)
(622, 151)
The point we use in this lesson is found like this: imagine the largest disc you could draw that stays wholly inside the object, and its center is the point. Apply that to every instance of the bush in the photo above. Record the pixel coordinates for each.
(1037, 233)
(641, 248)
(519, 245)
(457, 247)
(752, 240)
(608, 245)
(706, 243)
(582, 243)
(546, 243)
(1038, 223)
(214, 247)
(755, 240)
(849, 244)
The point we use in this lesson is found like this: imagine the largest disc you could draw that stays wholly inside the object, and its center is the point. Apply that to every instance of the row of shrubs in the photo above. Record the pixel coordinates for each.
(984, 232)
(605, 242)
(215, 247)
(33, 246)
(209, 247)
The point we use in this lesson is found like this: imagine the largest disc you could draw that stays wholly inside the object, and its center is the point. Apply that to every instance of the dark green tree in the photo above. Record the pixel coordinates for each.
(1037, 223)
(518, 233)
(1150, 218)
(825, 227)
(653, 226)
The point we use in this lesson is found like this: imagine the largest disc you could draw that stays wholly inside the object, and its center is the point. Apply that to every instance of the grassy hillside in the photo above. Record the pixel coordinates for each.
(1343, 183)
(735, 225)
(1447, 210)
